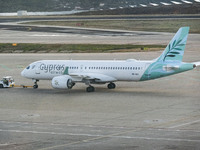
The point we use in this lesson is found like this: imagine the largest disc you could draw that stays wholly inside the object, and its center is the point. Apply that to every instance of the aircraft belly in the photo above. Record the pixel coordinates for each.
(126, 75)
(45, 76)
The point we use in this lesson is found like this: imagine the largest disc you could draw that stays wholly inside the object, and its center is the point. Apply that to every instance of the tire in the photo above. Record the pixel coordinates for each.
(90, 89)
(111, 86)
(1, 86)
(35, 86)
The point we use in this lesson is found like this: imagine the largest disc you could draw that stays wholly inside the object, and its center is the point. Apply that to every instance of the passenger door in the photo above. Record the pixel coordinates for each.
(37, 68)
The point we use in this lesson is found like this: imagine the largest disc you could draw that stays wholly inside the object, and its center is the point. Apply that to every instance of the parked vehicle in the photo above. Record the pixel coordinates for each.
(7, 82)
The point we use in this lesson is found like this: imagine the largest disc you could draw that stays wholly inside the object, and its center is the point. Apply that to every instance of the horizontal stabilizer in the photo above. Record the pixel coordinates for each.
(170, 68)
(197, 64)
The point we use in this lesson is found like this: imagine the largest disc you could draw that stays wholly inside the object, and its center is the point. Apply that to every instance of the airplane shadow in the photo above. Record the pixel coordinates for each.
(101, 91)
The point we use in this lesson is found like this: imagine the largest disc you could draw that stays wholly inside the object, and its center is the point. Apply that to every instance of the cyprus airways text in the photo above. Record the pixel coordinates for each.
(52, 68)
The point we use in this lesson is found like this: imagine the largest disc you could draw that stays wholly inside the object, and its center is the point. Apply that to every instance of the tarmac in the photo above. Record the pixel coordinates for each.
(159, 114)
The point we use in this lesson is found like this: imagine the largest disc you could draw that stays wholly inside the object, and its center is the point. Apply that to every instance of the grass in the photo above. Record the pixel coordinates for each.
(74, 48)
(169, 25)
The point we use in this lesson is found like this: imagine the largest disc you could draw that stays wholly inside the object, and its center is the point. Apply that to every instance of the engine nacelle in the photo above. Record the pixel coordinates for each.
(62, 82)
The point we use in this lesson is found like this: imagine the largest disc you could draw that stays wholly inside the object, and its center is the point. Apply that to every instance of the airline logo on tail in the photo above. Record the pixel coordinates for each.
(170, 61)
(175, 49)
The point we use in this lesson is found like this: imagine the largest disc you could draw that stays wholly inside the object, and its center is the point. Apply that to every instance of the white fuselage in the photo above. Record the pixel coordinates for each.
(128, 70)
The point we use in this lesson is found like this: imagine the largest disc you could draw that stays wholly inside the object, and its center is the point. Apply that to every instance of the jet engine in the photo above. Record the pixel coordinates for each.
(62, 82)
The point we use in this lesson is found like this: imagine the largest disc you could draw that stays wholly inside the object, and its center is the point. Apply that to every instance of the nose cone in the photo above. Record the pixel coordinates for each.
(23, 73)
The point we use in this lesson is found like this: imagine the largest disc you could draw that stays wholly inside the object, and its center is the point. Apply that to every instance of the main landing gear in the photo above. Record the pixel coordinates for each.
(35, 86)
(111, 85)
(90, 89)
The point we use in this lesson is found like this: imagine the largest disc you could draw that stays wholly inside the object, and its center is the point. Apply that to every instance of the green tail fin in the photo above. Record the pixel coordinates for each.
(175, 49)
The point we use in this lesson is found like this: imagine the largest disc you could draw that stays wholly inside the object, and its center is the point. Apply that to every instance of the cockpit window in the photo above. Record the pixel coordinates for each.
(28, 67)
(33, 67)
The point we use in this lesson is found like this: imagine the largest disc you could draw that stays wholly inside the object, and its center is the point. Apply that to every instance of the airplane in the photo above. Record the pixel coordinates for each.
(64, 74)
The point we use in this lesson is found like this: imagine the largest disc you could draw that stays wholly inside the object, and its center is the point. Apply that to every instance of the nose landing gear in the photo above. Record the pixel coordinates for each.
(35, 86)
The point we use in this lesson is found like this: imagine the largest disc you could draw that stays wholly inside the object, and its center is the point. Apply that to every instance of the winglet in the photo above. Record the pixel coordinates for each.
(175, 49)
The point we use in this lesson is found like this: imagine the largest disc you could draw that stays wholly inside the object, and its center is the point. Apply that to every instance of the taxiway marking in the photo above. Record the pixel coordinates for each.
(184, 124)
(5, 67)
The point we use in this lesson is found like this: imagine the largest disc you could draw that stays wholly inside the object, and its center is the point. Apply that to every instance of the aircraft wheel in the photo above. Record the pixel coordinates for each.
(111, 86)
(35, 86)
(90, 89)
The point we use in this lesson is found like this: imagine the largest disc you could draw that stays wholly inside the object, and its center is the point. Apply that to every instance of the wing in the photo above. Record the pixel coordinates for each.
(97, 77)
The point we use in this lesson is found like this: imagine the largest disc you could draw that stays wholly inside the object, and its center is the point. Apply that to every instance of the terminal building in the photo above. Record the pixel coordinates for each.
(22, 13)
